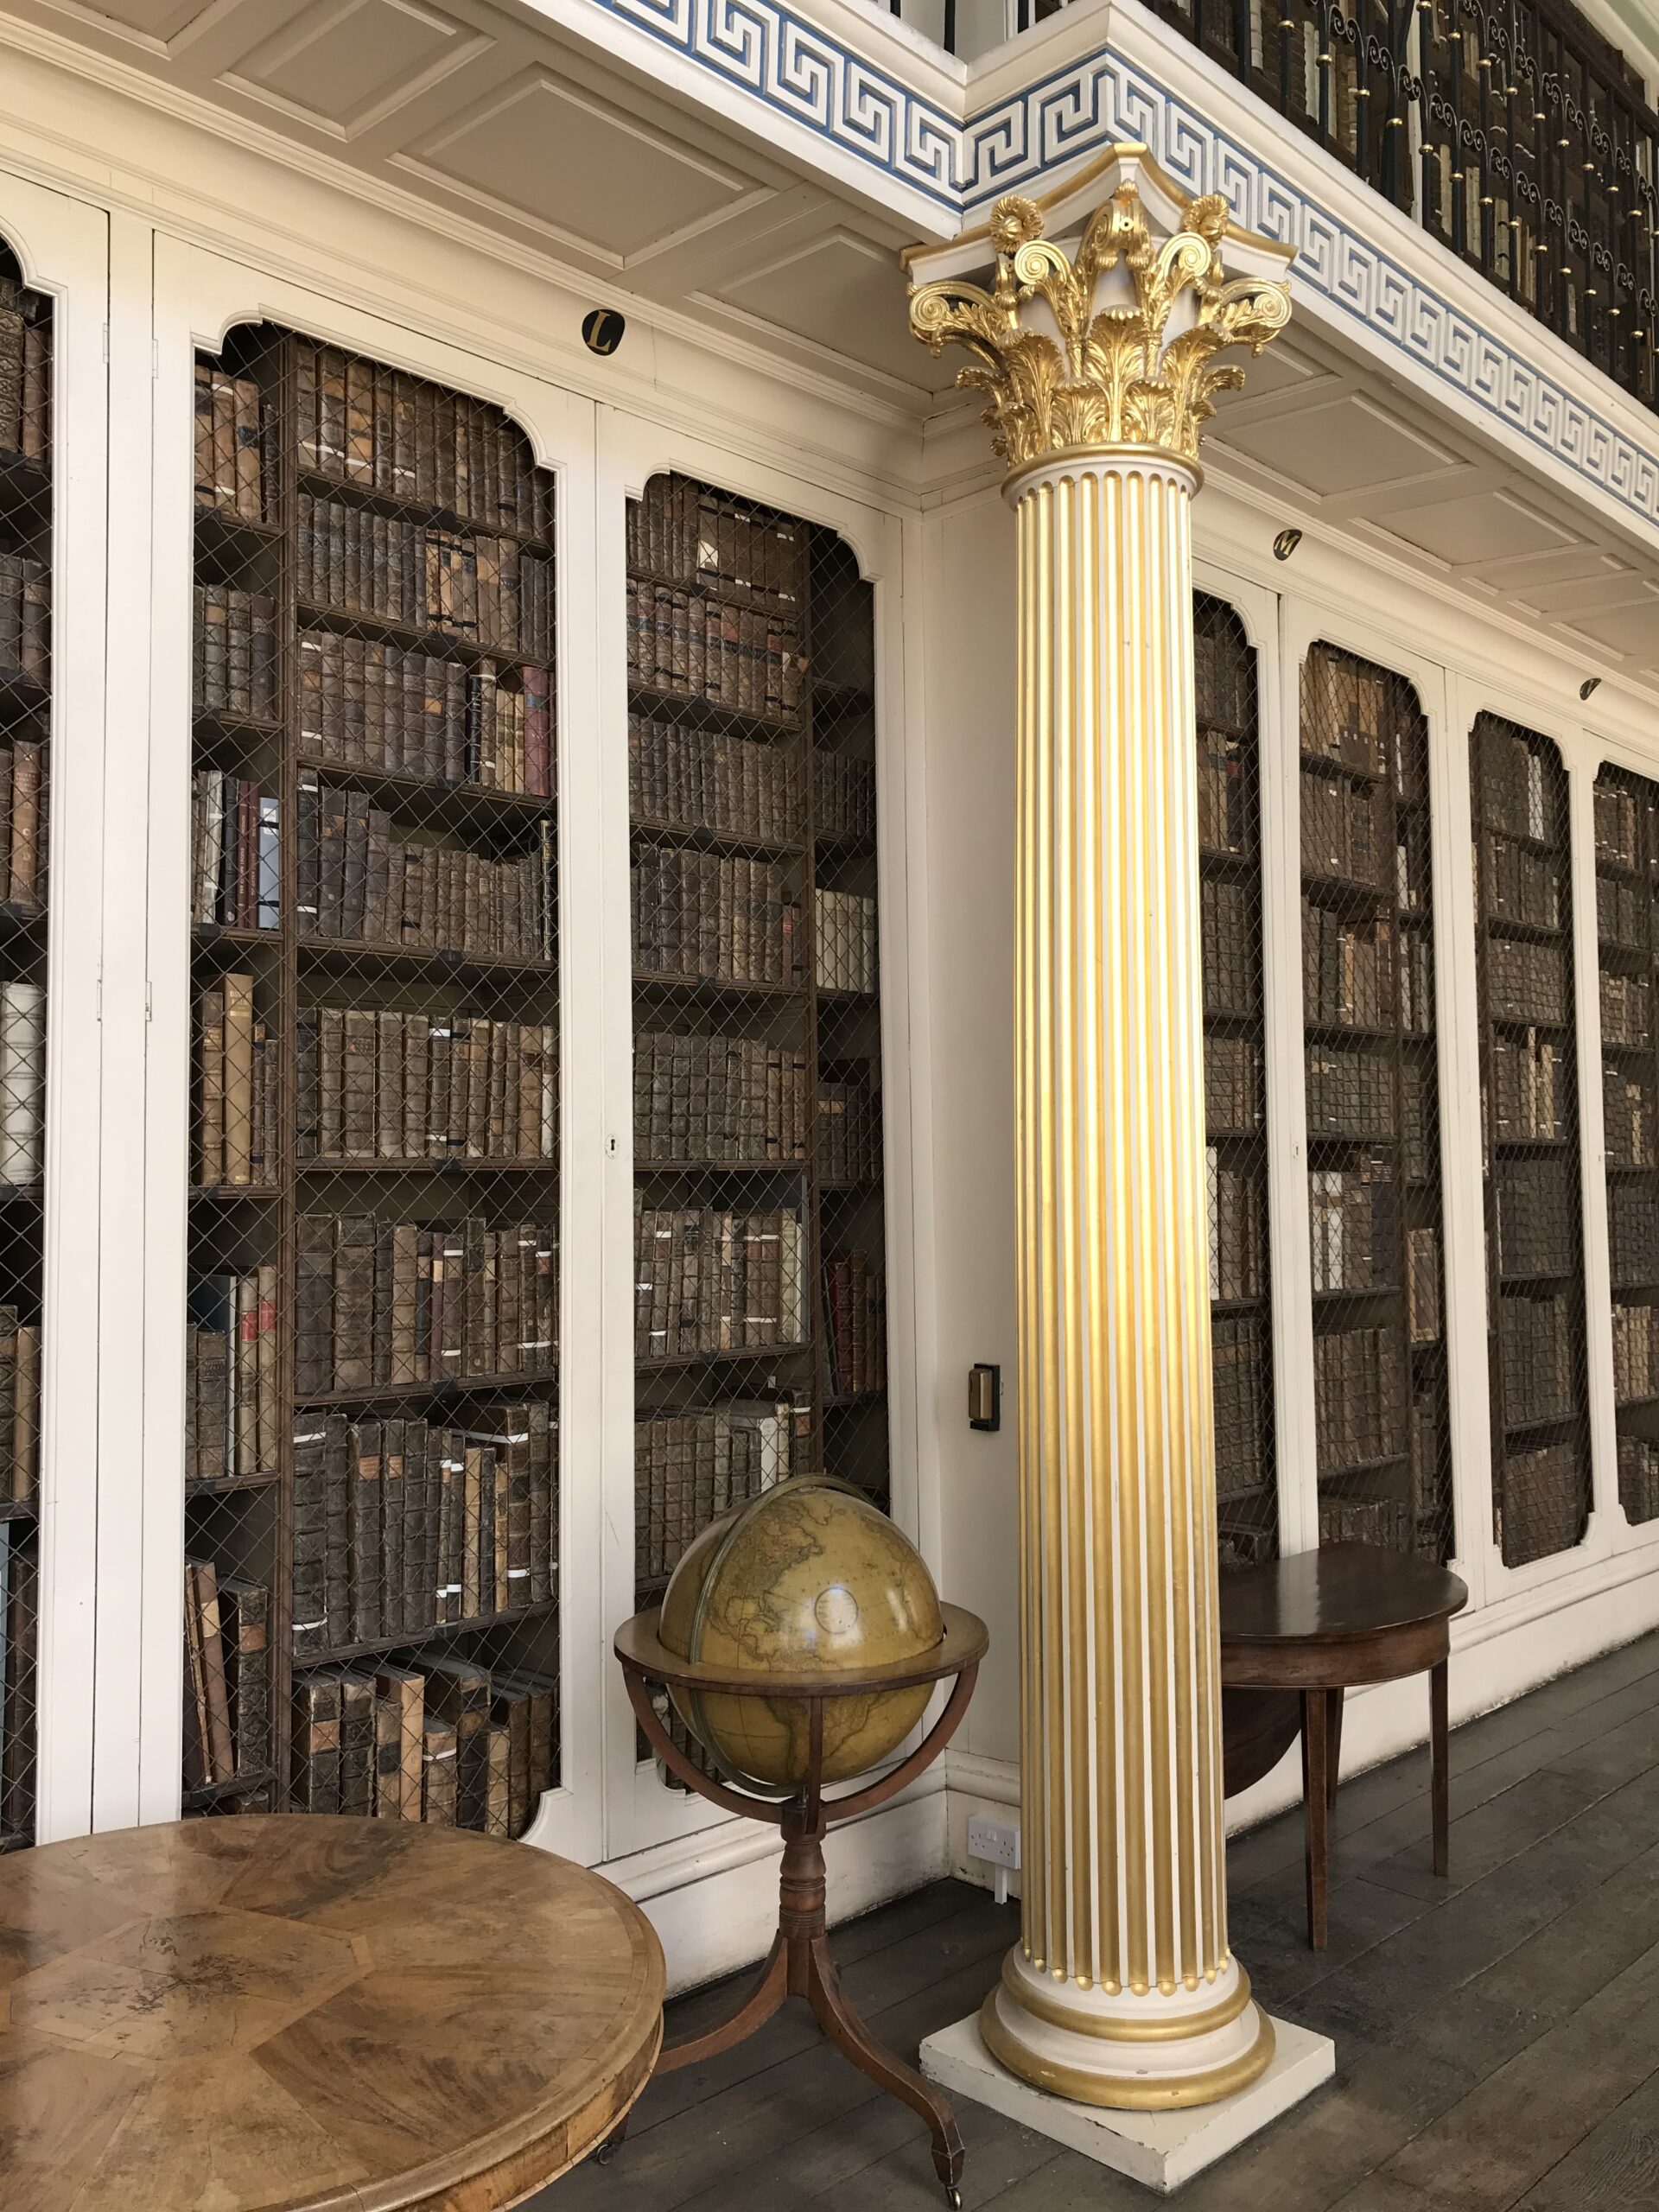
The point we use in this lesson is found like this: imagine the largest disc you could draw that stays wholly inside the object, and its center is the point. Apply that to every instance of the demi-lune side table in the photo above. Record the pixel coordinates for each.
(1324, 1622)
(311, 2015)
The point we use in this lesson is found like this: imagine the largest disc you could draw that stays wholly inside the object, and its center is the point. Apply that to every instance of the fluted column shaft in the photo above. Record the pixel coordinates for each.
(1124, 1920)
(1093, 343)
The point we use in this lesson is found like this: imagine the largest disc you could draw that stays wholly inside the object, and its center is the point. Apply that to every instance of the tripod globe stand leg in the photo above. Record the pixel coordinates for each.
(843, 2028)
(766, 1993)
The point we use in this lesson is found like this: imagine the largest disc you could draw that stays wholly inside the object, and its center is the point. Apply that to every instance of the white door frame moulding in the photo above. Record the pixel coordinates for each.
(640, 1812)
(1259, 609)
(1638, 752)
(62, 246)
(1307, 622)
(1609, 1534)
(199, 296)
(122, 1566)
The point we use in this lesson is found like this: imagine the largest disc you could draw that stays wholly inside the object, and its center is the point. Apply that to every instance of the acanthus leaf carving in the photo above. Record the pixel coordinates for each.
(1108, 375)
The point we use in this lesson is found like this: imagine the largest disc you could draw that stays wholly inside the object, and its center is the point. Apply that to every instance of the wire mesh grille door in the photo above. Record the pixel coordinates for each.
(371, 1582)
(26, 366)
(1529, 1087)
(1373, 1110)
(759, 1321)
(1234, 1081)
(1627, 884)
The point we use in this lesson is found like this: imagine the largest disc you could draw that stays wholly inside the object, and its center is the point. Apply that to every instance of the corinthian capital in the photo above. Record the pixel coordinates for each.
(1108, 304)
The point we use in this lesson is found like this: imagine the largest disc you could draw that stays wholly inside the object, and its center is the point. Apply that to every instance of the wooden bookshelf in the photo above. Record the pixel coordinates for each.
(1373, 1116)
(372, 1504)
(26, 702)
(760, 1331)
(1627, 886)
(1530, 1101)
(1230, 868)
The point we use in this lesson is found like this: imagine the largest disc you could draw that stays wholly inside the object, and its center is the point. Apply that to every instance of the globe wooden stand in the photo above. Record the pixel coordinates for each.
(798, 1963)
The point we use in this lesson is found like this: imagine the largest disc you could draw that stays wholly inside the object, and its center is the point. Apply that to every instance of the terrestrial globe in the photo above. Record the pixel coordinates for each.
(807, 1578)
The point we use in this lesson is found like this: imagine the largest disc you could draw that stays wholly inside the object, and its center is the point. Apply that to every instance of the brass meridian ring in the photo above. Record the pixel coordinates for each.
(1190, 2024)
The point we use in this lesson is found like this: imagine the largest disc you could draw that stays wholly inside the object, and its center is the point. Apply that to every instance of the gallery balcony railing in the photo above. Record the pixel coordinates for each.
(1515, 134)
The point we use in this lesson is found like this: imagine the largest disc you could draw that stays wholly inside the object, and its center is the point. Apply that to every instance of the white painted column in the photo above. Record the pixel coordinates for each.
(1095, 356)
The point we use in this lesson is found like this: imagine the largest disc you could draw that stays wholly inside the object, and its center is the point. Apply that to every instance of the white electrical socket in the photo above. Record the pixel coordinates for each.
(998, 1842)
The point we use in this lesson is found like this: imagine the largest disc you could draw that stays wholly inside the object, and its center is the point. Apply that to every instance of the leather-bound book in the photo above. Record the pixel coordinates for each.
(458, 1694)
(368, 1569)
(357, 1743)
(245, 1611)
(438, 1757)
(399, 1726)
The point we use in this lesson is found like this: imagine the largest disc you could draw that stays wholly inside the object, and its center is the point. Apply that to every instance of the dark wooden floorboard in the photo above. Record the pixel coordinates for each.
(1498, 2034)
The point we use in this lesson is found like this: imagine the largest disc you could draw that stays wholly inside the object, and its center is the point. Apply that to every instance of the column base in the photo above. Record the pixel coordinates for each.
(1160, 2148)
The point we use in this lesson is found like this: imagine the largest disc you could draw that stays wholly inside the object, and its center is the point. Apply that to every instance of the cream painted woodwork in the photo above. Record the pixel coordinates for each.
(550, 136)
(229, 225)
(62, 246)
(640, 1811)
(198, 297)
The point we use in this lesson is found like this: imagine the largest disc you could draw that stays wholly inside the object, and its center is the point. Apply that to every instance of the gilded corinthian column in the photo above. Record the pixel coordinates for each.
(1094, 345)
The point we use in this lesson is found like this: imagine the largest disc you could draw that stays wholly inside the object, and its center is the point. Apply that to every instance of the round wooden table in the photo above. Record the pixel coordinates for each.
(1309, 1627)
(799, 1963)
(311, 2015)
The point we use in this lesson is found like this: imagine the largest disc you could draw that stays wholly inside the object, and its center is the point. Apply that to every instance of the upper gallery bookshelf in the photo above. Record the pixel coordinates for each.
(1627, 882)
(1235, 1080)
(372, 1584)
(26, 674)
(1373, 1110)
(1529, 1098)
(760, 1316)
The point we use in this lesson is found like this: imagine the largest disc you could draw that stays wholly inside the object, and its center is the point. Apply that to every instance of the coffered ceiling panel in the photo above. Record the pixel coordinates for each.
(1611, 584)
(154, 19)
(1282, 368)
(1480, 527)
(345, 63)
(1343, 445)
(1528, 573)
(846, 294)
(575, 167)
(516, 121)
(1630, 632)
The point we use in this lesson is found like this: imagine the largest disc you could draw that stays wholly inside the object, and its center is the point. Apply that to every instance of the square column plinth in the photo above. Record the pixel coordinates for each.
(1160, 2150)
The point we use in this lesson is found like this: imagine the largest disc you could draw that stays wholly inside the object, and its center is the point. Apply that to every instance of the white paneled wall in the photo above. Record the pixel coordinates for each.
(153, 261)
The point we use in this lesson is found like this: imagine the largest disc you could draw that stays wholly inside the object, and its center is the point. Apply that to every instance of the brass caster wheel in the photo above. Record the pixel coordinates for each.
(953, 2198)
(608, 2149)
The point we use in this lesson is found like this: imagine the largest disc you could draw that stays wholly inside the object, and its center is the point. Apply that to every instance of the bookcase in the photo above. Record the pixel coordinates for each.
(759, 1324)
(1627, 884)
(1373, 1108)
(372, 1617)
(1235, 1080)
(1530, 1117)
(26, 548)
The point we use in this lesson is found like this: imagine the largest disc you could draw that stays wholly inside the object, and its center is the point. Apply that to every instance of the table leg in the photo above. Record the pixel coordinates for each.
(1316, 1788)
(1440, 1760)
(1333, 1734)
